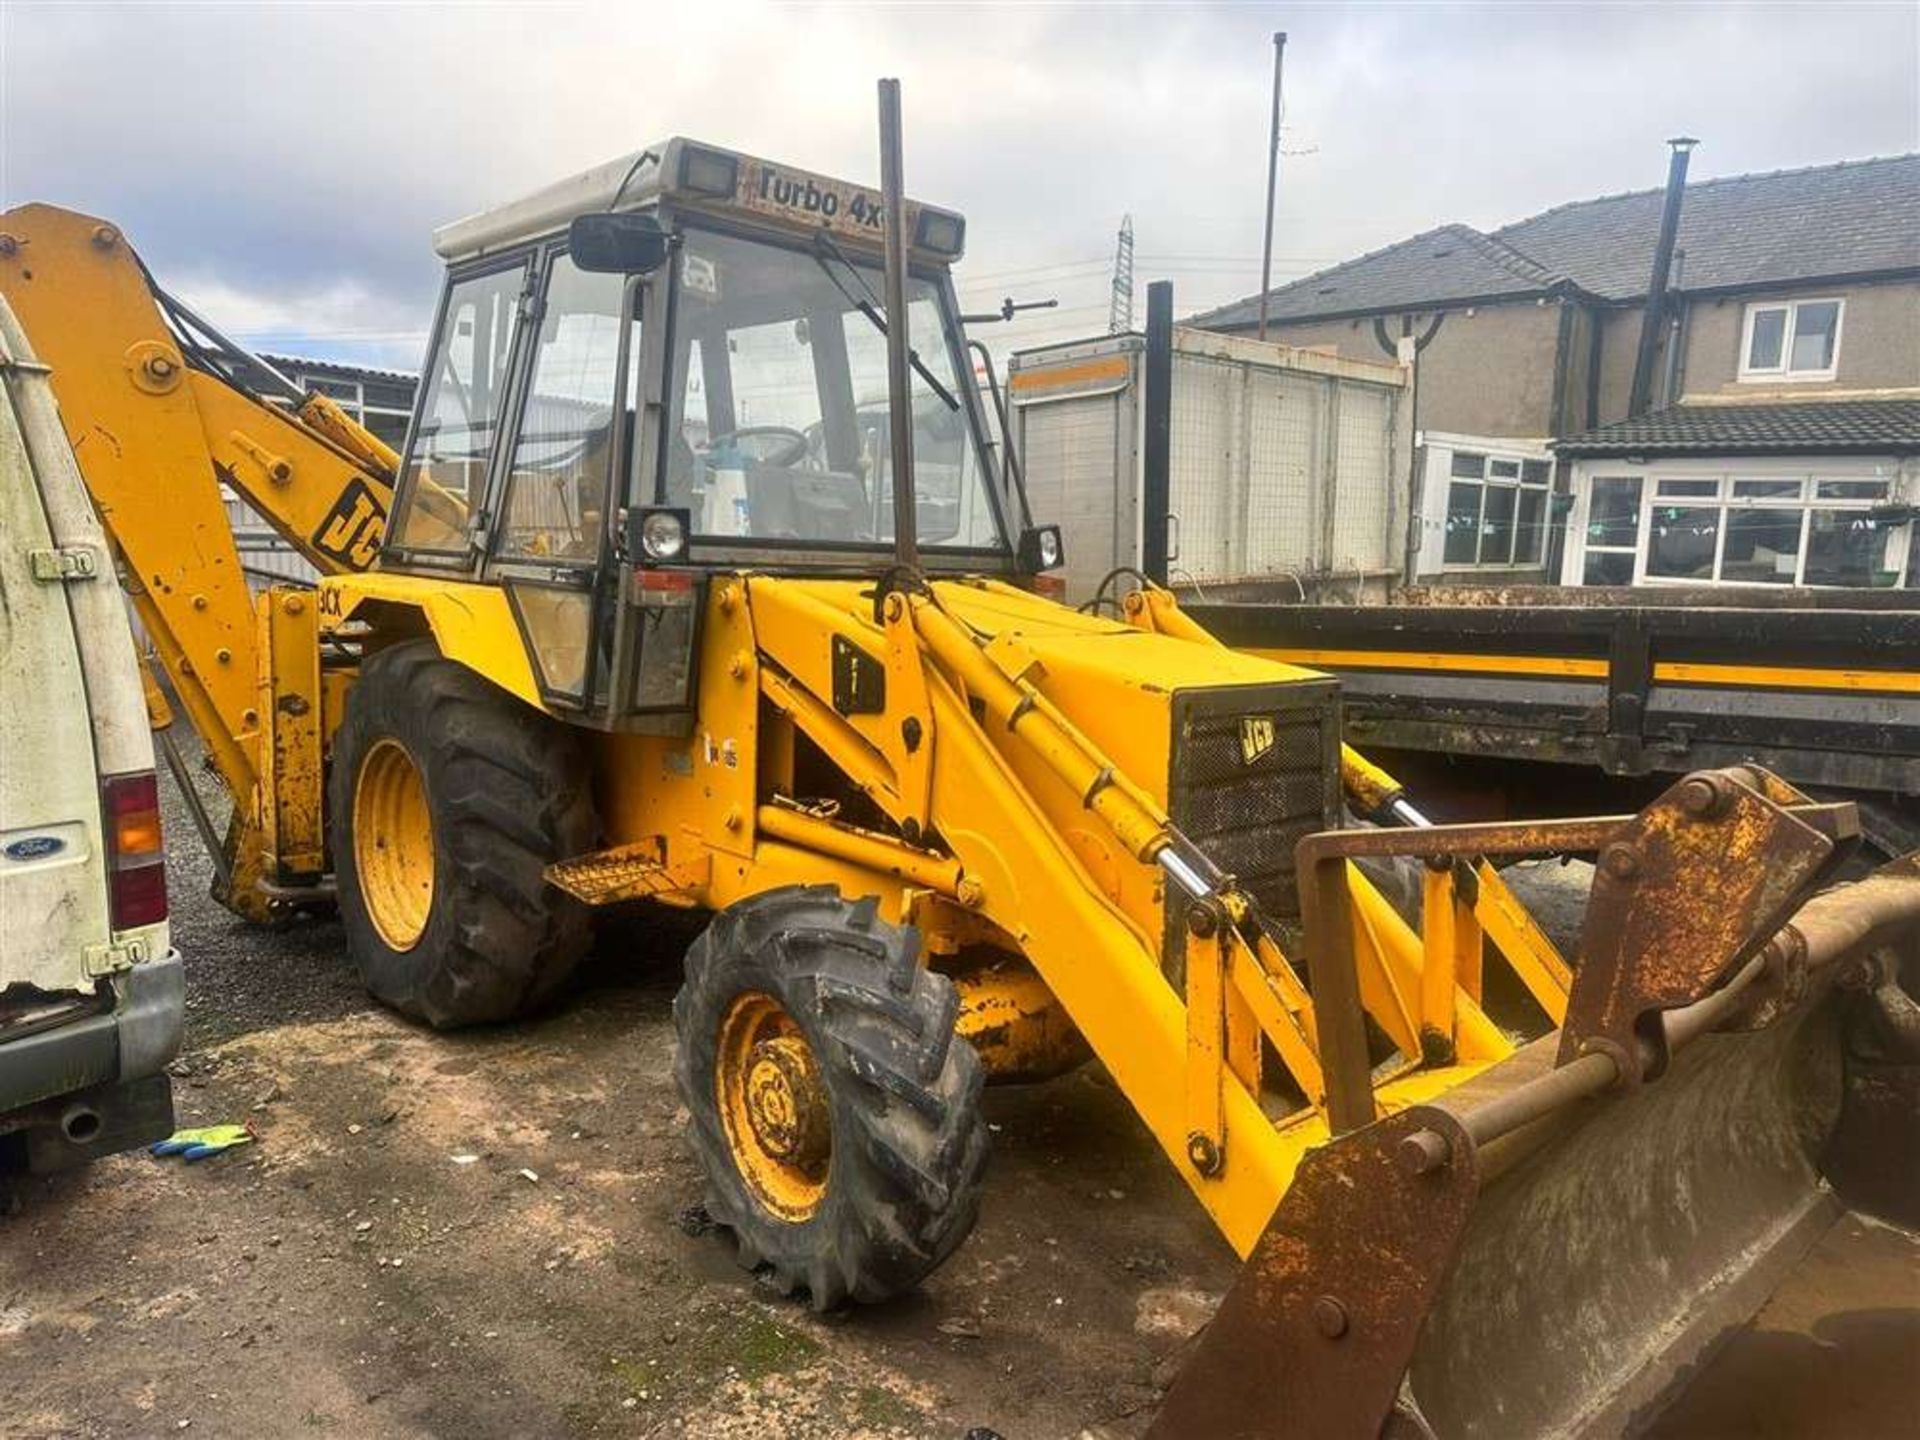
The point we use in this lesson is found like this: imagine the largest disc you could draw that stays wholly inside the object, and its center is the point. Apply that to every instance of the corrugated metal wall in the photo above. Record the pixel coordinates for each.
(267, 559)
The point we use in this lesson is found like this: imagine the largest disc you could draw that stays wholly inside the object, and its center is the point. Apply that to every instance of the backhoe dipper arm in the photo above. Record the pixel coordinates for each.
(157, 422)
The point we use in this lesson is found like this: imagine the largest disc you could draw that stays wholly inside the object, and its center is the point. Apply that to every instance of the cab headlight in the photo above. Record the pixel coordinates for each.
(1041, 549)
(940, 231)
(662, 535)
(709, 172)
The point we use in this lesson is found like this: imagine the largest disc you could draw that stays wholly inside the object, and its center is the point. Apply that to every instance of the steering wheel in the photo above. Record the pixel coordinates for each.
(785, 456)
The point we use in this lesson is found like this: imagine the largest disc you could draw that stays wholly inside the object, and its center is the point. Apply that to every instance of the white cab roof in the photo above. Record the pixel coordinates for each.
(763, 191)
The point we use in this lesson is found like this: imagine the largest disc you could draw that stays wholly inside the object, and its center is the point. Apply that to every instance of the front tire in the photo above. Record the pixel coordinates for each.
(834, 1110)
(448, 799)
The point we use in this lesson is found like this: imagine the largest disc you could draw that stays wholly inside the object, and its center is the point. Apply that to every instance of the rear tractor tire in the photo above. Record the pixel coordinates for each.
(447, 801)
(834, 1109)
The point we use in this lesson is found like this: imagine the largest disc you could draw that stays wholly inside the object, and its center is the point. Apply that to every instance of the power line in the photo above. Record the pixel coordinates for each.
(1098, 262)
(1243, 259)
(1221, 263)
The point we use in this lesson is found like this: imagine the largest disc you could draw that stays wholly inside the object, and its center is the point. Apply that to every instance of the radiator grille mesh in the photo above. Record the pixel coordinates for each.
(1254, 770)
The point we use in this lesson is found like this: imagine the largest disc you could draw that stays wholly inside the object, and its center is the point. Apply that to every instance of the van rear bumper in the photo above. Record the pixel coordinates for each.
(132, 1041)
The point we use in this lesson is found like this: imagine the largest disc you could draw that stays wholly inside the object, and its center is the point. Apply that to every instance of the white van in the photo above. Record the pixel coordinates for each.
(92, 998)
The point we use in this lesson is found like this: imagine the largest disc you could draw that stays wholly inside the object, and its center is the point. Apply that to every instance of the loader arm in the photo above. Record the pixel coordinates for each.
(159, 422)
(1069, 853)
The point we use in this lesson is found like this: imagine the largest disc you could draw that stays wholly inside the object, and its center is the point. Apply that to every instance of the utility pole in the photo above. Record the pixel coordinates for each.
(1273, 176)
(1120, 308)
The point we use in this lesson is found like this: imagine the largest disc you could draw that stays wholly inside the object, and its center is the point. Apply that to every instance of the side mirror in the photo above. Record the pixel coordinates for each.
(627, 243)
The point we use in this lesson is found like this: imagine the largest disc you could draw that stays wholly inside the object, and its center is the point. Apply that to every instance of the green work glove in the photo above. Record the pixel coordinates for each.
(199, 1144)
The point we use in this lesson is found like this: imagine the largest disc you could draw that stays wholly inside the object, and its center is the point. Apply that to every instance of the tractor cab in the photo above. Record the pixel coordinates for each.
(676, 364)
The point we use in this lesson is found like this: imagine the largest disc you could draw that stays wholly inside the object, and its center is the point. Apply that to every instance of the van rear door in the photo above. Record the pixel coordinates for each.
(54, 906)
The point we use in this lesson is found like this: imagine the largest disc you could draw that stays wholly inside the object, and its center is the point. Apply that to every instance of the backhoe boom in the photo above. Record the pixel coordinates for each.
(159, 423)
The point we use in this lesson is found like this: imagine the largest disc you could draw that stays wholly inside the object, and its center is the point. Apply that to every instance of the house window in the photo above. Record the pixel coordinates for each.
(1613, 530)
(1496, 510)
(1736, 529)
(1797, 341)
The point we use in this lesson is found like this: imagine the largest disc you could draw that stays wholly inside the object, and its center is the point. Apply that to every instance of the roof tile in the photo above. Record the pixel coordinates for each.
(1853, 218)
(1813, 427)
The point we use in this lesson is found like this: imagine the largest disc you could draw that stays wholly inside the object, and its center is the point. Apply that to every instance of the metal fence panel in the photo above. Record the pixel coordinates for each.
(1287, 447)
(1207, 464)
(1363, 508)
(1072, 449)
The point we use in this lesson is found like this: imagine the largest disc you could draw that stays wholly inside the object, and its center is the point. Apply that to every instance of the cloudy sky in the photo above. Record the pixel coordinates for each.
(281, 165)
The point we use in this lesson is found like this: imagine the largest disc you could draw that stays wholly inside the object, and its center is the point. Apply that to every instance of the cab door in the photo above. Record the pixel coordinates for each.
(574, 422)
(439, 516)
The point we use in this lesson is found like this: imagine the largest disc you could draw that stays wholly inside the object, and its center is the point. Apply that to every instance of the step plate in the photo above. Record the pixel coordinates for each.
(626, 872)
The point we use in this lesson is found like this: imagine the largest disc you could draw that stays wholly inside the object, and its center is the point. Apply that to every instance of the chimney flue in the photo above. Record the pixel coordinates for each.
(1654, 318)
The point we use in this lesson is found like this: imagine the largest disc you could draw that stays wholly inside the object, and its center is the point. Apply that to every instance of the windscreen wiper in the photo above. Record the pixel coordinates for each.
(870, 307)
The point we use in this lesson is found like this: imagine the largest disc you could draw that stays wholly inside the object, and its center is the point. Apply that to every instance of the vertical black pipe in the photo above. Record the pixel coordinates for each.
(1654, 317)
(1596, 342)
(1416, 456)
(1677, 313)
(1157, 444)
(906, 538)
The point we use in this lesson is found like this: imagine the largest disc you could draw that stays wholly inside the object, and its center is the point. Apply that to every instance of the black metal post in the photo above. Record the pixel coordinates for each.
(1156, 491)
(1654, 318)
(1273, 178)
(906, 540)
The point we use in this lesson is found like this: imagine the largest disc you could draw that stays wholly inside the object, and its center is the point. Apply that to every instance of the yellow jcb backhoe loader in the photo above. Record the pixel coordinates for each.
(700, 581)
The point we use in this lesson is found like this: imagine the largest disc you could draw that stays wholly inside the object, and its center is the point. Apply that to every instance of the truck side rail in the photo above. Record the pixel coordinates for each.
(1823, 696)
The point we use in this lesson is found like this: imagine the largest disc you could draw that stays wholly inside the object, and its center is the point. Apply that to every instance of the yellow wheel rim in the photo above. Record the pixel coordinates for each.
(393, 844)
(774, 1107)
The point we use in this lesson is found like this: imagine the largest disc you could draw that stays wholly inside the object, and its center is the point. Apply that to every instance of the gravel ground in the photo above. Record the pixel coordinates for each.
(497, 1233)
(241, 977)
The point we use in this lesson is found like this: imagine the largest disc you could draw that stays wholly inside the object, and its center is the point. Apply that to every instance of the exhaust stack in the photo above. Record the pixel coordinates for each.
(906, 541)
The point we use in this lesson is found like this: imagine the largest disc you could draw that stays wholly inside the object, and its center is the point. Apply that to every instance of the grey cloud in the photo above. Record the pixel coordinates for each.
(290, 151)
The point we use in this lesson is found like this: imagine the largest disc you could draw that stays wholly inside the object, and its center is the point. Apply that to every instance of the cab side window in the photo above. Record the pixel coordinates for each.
(461, 412)
(570, 429)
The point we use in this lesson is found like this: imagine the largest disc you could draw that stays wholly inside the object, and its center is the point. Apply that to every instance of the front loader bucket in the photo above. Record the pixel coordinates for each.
(1552, 1246)
(1600, 1268)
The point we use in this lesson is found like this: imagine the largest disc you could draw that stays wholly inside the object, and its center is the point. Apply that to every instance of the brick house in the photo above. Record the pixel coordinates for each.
(1784, 398)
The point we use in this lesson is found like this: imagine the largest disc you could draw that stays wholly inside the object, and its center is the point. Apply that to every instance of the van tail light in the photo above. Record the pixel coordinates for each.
(136, 865)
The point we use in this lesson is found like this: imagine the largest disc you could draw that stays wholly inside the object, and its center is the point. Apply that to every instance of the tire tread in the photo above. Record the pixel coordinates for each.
(910, 1141)
(509, 792)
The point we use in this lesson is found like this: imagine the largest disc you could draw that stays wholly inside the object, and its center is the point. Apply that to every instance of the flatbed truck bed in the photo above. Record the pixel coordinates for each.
(1562, 697)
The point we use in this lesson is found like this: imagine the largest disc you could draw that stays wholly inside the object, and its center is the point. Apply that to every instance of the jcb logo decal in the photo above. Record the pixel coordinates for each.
(352, 531)
(1256, 737)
